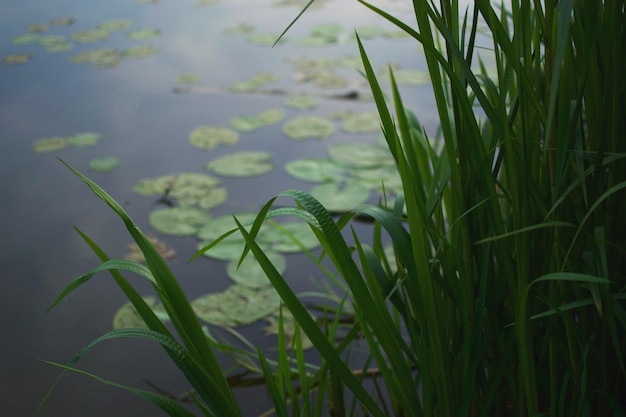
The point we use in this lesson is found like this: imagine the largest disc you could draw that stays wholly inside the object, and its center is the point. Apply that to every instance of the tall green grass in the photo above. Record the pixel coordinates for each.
(505, 294)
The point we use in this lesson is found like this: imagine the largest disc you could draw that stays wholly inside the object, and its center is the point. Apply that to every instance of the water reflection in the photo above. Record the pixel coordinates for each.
(146, 125)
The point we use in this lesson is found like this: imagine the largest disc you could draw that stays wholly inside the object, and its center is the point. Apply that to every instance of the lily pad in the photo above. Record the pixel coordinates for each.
(250, 273)
(105, 57)
(16, 58)
(37, 27)
(289, 328)
(189, 189)
(222, 224)
(141, 51)
(307, 127)
(128, 317)
(188, 78)
(368, 122)
(360, 155)
(339, 199)
(26, 39)
(208, 137)
(104, 164)
(59, 47)
(178, 221)
(90, 36)
(281, 237)
(84, 139)
(63, 21)
(136, 255)
(264, 39)
(374, 178)
(242, 164)
(115, 25)
(301, 102)
(271, 116)
(245, 123)
(315, 170)
(51, 144)
(51, 40)
(241, 28)
(143, 34)
(244, 87)
(238, 305)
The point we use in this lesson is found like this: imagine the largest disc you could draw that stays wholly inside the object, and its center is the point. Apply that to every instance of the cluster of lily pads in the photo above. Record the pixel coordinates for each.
(56, 143)
(103, 57)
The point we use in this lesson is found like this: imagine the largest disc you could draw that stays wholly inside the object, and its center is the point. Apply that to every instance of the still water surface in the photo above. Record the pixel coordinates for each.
(146, 125)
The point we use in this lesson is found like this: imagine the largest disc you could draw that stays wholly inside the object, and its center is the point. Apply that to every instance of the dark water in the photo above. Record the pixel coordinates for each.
(146, 126)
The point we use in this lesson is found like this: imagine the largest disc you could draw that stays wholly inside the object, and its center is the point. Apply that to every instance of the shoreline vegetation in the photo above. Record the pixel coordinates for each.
(505, 291)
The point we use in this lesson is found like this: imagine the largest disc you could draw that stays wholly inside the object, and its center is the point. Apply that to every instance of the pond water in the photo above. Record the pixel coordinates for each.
(133, 105)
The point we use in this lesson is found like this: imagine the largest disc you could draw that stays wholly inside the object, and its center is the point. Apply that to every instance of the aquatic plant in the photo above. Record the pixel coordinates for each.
(242, 164)
(208, 137)
(308, 127)
(104, 163)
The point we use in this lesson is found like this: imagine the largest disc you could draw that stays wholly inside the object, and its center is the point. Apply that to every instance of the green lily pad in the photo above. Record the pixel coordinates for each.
(374, 178)
(51, 40)
(369, 31)
(37, 27)
(264, 78)
(136, 255)
(301, 102)
(105, 57)
(245, 123)
(360, 155)
(188, 189)
(222, 224)
(84, 139)
(244, 87)
(187, 78)
(315, 170)
(271, 116)
(208, 137)
(240, 29)
(237, 305)
(307, 127)
(140, 51)
(289, 328)
(250, 273)
(104, 164)
(407, 77)
(281, 238)
(115, 25)
(143, 34)
(63, 21)
(339, 199)
(26, 39)
(90, 36)
(178, 221)
(16, 58)
(51, 144)
(242, 164)
(59, 47)
(264, 39)
(206, 2)
(368, 122)
(128, 317)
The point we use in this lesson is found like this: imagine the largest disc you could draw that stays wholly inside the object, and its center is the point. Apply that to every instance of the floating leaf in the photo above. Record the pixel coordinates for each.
(360, 155)
(115, 25)
(208, 137)
(136, 255)
(289, 328)
(51, 40)
(143, 34)
(315, 170)
(264, 39)
(187, 78)
(84, 139)
(237, 305)
(306, 127)
(26, 39)
(241, 28)
(369, 31)
(37, 27)
(105, 57)
(50, 144)
(90, 36)
(339, 199)
(244, 87)
(245, 123)
(281, 237)
(16, 58)
(250, 273)
(128, 317)
(242, 164)
(222, 224)
(368, 122)
(328, 79)
(178, 221)
(374, 177)
(59, 47)
(104, 164)
(189, 189)
(271, 116)
(206, 2)
(63, 21)
(141, 51)
(264, 78)
(301, 102)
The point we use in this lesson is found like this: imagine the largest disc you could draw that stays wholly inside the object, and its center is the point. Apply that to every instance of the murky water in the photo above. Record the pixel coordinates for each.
(146, 125)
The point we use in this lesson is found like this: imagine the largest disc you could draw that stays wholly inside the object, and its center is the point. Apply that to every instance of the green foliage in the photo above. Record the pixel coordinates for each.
(503, 290)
